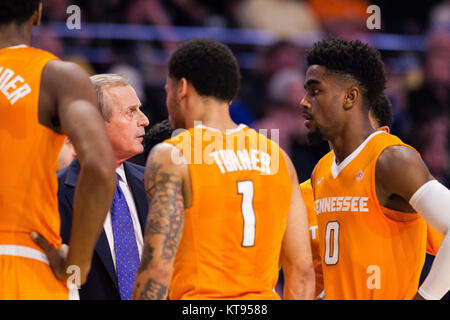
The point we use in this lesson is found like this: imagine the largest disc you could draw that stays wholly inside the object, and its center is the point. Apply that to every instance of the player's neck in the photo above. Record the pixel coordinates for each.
(350, 139)
(212, 114)
(13, 35)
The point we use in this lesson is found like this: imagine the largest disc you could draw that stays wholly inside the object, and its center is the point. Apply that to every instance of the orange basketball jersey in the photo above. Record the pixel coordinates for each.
(233, 231)
(29, 151)
(366, 254)
(434, 239)
(308, 198)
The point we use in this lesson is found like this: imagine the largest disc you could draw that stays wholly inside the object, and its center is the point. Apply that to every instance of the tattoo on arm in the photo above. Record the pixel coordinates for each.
(166, 214)
(163, 230)
(153, 290)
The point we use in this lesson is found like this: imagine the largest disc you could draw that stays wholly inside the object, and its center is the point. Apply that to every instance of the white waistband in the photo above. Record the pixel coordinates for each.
(22, 251)
(27, 252)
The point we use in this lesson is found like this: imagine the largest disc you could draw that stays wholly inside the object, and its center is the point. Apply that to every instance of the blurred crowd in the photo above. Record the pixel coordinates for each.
(272, 84)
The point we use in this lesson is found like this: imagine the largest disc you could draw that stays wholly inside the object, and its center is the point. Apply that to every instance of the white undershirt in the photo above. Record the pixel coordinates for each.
(134, 216)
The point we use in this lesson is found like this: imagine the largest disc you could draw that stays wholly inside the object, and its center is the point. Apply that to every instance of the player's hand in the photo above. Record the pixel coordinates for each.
(57, 258)
(418, 297)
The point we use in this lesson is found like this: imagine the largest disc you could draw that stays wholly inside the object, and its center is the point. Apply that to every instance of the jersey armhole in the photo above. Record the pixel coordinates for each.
(388, 213)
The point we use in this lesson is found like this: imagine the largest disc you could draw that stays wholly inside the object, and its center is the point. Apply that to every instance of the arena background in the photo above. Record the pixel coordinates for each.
(269, 39)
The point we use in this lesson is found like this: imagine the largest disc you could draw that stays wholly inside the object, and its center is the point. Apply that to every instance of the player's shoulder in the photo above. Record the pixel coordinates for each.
(39, 52)
(30, 53)
(325, 161)
(167, 155)
(398, 156)
(67, 69)
(393, 150)
(384, 139)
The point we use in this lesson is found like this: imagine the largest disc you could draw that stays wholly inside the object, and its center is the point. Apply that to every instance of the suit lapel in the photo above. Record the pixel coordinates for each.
(136, 182)
(102, 247)
(104, 252)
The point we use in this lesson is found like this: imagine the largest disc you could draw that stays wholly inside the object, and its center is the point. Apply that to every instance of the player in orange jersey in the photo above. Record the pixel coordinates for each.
(380, 116)
(41, 99)
(224, 205)
(367, 191)
(308, 197)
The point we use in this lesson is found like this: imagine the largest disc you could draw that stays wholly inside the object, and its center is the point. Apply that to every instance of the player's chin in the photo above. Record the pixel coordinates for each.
(314, 136)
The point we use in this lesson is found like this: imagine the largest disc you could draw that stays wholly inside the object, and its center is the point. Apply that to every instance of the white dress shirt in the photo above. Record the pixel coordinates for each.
(134, 216)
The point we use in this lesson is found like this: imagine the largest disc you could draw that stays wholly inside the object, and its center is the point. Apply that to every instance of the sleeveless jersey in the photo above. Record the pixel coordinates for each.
(28, 164)
(434, 239)
(308, 198)
(233, 232)
(366, 254)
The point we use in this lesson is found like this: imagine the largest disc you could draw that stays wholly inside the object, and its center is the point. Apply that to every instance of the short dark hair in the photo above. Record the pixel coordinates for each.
(382, 111)
(157, 134)
(17, 11)
(354, 58)
(209, 65)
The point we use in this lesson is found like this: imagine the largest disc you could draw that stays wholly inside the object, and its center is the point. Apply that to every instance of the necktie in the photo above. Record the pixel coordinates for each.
(125, 246)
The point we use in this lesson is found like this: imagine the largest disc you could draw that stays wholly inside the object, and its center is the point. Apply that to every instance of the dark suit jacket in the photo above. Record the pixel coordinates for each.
(101, 282)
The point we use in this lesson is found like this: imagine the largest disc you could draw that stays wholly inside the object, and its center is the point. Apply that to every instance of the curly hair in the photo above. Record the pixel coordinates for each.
(157, 134)
(17, 11)
(354, 58)
(382, 111)
(209, 65)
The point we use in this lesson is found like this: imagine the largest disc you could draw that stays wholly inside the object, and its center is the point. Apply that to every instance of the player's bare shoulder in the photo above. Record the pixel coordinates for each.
(61, 83)
(400, 170)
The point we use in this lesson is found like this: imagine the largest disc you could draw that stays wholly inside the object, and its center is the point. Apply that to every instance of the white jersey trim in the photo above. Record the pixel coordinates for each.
(18, 46)
(337, 168)
(228, 131)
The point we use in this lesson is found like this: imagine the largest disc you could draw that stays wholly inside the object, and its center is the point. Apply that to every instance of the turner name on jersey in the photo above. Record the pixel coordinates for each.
(229, 160)
(341, 204)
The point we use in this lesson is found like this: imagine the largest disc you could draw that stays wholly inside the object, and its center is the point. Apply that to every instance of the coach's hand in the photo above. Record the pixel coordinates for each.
(57, 258)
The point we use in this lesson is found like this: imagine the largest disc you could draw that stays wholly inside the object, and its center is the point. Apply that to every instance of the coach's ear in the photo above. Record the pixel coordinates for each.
(351, 98)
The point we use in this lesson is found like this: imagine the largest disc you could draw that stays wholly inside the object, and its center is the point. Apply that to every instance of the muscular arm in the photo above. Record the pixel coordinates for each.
(296, 256)
(400, 171)
(68, 103)
(164, 227)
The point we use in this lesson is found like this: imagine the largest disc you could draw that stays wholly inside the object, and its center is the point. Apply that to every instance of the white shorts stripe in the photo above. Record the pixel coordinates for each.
(22, 251)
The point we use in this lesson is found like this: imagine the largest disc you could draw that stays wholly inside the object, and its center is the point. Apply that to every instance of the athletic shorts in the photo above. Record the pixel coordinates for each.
(26, 275)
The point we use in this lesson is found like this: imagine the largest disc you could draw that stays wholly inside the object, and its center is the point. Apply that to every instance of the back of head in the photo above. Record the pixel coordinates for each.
(352, 58)
(157, 134)
(209, 66)
(382, 111)
(17, 11)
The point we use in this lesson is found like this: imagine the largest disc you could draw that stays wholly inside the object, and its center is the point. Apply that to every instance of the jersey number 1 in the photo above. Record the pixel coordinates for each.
(246, 189)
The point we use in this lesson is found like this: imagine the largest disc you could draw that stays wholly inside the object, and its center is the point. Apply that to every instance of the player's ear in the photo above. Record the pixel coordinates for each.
(384, 128)
(37, 15)
(351, 97)
(182, 88)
